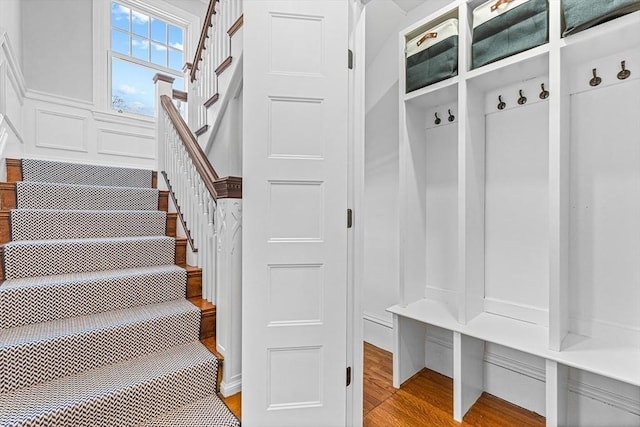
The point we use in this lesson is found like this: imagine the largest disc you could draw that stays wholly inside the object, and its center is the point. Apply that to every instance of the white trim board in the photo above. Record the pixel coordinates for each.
(15, 76)
(378, 331)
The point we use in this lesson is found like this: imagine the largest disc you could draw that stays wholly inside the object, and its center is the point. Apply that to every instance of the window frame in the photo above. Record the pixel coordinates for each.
(103, 55)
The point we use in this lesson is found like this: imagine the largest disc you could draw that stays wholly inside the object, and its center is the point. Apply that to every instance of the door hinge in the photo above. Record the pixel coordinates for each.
(349, 218)
(350, 60)
(348, 376)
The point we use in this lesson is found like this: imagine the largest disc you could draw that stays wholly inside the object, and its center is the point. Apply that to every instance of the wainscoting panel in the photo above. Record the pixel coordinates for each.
(61, 131)
(67, 129)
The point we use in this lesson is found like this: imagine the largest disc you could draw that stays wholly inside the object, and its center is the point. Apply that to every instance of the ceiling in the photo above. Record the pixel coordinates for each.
(407, 5)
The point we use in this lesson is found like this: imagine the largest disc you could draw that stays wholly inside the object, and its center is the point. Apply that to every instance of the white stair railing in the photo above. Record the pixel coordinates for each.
(212, 53)
(212, 212)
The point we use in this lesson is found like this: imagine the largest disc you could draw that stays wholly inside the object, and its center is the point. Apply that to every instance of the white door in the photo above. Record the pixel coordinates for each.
(294, 215)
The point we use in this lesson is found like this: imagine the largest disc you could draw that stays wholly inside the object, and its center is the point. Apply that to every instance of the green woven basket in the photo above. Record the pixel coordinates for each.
(503, 32)
(582, 14)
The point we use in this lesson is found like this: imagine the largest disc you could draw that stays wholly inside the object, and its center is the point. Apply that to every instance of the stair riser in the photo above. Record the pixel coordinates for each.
(135, 404)
(28, 305)
(61, 257)
(33, 363)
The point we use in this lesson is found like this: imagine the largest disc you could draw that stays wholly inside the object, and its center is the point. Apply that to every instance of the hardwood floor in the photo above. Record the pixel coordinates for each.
(427, 400)
(234, 403)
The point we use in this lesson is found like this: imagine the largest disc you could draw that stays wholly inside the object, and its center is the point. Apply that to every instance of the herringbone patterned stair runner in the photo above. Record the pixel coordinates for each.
(94, 327)
(41, 224)
(43, 195)
(77, 173)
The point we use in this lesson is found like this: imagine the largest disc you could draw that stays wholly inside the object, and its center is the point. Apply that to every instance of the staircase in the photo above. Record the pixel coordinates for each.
(95, 329)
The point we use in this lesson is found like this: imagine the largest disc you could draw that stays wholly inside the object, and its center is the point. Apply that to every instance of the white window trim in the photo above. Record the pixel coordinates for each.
(102, 45)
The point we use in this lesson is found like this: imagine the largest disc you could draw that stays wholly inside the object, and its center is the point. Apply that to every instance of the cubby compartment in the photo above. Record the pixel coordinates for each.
(516, 225)
(520, 225)
(431, 51)
(605, 212)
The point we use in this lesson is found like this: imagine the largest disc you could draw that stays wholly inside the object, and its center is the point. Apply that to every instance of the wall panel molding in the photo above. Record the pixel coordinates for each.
(60, 130)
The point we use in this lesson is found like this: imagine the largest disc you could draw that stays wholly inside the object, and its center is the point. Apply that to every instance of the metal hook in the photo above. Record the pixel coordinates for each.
(595, 81)
(624, 73)
(437, 120)
(451, 117)
(523, 99)
(501, 105)
(545, 93)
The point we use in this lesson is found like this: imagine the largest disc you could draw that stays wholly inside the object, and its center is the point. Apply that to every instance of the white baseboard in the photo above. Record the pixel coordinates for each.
(231, 387)
(378, 331)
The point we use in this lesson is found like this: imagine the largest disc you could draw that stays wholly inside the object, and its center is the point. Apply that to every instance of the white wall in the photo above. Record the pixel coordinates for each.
(58, 47)
(10, 13)
(65, 113)
(380, 288)
(12, 86)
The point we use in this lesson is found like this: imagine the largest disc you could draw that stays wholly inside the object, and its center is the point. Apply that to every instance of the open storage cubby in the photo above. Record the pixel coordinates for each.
(520, 223)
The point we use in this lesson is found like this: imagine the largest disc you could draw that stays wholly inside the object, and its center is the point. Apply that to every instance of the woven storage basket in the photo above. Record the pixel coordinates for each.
(582, 14)
(432, 56)
(502, 28)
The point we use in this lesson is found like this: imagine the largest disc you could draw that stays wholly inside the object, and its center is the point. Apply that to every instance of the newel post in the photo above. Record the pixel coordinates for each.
(164, 86)
(229, 281)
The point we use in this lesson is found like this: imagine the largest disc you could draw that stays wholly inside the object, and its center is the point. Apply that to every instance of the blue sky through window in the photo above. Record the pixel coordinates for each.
(151, 41)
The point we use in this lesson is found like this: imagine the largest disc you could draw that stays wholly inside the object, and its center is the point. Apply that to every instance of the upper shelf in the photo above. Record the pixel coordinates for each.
(435, 94)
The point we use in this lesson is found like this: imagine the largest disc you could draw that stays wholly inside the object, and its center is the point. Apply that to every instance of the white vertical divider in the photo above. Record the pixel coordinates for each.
(408, 348)
(556, 393)
(468, 374)
(471, 182)
(559, 153)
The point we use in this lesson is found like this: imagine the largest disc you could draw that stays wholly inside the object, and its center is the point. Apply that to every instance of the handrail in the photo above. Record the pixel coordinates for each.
(199, 159)
(211, 10)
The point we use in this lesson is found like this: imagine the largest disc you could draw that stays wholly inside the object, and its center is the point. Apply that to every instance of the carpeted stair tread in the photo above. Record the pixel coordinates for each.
(123, 394)
(43, 351)
(32, 258)
(42, 195)
(209, 411)
(40, 299)
(43, 224)
(77, 173)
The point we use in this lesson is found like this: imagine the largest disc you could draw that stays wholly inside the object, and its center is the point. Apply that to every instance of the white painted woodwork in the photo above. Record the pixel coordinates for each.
(516, 221)
(408, 348)
(468, 379)
(441, 209)
(605, 213)
(217, 47)
(295, 200)
(547, 226)
(557, 377)
(12, 88)
(228, 248)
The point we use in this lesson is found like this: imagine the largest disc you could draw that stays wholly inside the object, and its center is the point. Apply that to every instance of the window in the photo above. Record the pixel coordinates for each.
(141, 46)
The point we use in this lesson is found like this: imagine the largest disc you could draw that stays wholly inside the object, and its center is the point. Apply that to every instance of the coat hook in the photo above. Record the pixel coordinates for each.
(624, 73)
(501, 105)
(523, 99)
(437, 120)
(545, 93)
(451, 117)
(595, 81)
